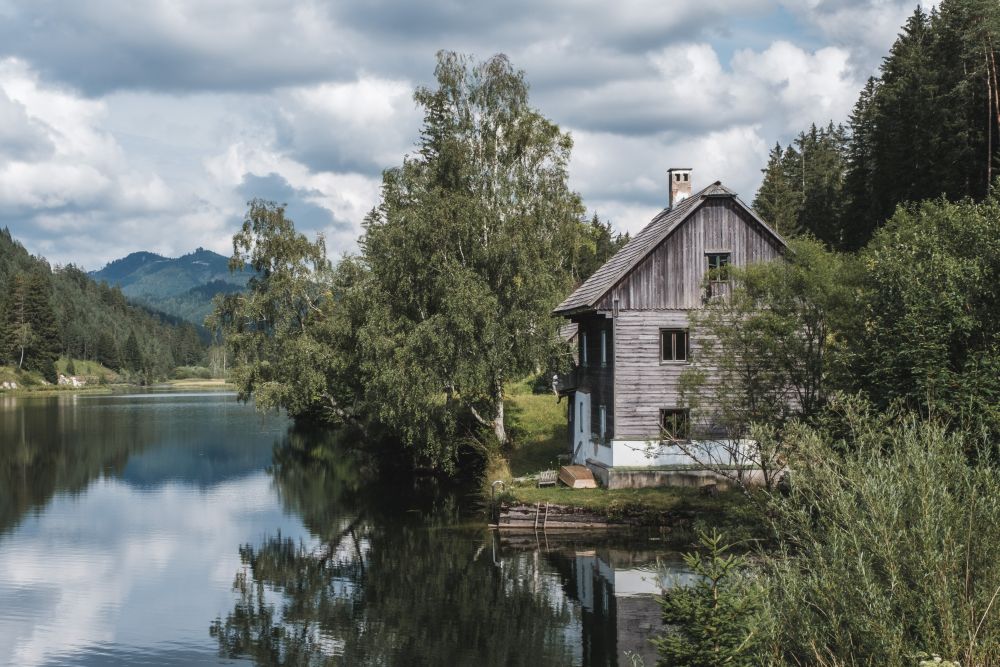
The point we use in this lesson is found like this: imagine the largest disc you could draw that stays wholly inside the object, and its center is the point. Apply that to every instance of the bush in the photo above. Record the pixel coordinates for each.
(887, 547)
(192, 372)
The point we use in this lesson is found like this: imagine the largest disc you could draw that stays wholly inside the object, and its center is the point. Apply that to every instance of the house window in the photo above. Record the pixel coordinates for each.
(604, 347)
(718, 266)
(603, 411)
(583, 349)
(674, 424)
(673, 345)
(579, 416)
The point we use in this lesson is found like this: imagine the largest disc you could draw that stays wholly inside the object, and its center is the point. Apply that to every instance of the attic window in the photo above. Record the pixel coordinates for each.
(718, 266)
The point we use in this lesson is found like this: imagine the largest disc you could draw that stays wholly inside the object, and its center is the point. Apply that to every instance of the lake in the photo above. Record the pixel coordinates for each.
(187, 529)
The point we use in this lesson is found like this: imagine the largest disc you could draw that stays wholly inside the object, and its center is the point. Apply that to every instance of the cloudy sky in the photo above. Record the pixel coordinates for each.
(146, 125)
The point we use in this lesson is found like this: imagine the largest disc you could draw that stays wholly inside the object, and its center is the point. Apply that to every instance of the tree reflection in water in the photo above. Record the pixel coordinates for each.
(393, 578)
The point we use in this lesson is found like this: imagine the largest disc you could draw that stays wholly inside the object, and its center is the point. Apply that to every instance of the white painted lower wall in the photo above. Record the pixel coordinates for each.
(650, 453)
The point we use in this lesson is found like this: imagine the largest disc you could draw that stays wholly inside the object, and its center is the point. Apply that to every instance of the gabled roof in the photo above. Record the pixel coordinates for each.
(586, 296)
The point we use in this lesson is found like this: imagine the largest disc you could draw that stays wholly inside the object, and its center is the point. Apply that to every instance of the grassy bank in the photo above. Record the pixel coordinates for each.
(198, 383)
(538, 434)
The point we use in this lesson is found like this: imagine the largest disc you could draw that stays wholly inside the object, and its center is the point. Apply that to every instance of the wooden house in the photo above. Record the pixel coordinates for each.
(633, 337)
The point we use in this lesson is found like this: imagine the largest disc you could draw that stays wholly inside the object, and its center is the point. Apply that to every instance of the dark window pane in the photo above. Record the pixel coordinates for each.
(680, 342)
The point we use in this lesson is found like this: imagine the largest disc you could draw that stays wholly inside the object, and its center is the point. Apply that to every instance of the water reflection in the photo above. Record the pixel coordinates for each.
(125, 522)
(397, 575)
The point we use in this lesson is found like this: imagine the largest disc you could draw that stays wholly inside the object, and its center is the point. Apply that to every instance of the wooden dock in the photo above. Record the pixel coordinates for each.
(546, 516)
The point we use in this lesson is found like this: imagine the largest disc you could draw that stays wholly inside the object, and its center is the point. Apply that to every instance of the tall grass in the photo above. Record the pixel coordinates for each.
(889, 547)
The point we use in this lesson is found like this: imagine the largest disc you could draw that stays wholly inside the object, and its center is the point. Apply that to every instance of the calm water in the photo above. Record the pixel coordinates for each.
(185, 529)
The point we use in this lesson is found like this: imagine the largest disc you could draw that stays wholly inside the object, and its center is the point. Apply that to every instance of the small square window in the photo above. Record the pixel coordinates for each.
(718, 266)
(673, 345)
(674, 424)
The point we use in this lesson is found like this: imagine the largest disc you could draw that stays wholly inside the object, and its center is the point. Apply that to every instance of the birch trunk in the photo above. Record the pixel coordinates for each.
(498, 427)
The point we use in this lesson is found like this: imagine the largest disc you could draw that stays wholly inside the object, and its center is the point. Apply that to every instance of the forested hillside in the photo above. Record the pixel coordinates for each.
(183, 287)
(928, 125)
(46, 313)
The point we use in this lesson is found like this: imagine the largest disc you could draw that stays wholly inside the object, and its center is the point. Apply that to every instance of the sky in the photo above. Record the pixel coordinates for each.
(132, 125)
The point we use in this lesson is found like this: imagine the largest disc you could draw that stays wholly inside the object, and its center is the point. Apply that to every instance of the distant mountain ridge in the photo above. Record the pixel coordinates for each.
(182, 286)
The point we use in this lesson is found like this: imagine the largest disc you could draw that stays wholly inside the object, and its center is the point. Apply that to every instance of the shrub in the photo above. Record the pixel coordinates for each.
(192, 372)
(887, 547)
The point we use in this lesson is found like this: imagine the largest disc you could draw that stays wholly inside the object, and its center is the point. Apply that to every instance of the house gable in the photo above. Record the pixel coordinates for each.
(671, 275)
(627, 260)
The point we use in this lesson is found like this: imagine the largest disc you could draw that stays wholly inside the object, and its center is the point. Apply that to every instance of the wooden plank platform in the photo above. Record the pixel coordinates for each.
(577, 477)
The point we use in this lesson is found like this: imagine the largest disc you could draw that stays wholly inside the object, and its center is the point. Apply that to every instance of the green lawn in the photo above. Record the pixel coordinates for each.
(538, 434)
(538, 429)
(85, 368)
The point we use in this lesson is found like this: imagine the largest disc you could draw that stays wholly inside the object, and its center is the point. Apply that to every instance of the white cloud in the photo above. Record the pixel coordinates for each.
(315, 99)
(364, 125)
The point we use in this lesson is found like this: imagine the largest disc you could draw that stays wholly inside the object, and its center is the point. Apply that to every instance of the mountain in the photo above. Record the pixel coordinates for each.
(182, 286)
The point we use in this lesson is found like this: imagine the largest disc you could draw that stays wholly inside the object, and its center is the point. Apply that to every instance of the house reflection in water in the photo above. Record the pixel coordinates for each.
(615, 586)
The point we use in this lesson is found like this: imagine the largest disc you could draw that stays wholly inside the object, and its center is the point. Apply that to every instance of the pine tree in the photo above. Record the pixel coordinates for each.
(778, 198)
(858, 220)
(131, 355)
(107, 351)
(709, 623)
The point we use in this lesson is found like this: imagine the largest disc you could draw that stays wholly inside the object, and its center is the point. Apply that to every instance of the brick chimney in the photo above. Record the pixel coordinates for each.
(680, 184)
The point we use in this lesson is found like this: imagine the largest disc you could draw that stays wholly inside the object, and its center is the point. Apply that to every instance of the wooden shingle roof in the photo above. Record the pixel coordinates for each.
(586, 296)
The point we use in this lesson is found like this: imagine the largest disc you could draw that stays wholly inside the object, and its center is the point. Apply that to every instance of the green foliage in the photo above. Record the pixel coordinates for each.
(463, 248)
(775, 344)
(270, 329)
(802, 190)
(887, 545)
(713, 621)
(65, 312)
(931, 334)
(462, 261)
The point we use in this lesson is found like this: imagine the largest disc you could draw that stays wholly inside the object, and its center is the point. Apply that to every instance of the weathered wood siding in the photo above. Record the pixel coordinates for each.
(657, 295)
(598, 378)
(643, 384)
(672, 275)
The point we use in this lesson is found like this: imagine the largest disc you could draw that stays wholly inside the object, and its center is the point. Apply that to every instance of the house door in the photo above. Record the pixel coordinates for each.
(581, 427)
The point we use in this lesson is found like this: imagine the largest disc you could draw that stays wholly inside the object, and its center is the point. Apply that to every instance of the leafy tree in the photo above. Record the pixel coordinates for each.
(776, 343)
(931, 334)
(711, 622)
(463, 249)
(270, 328)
